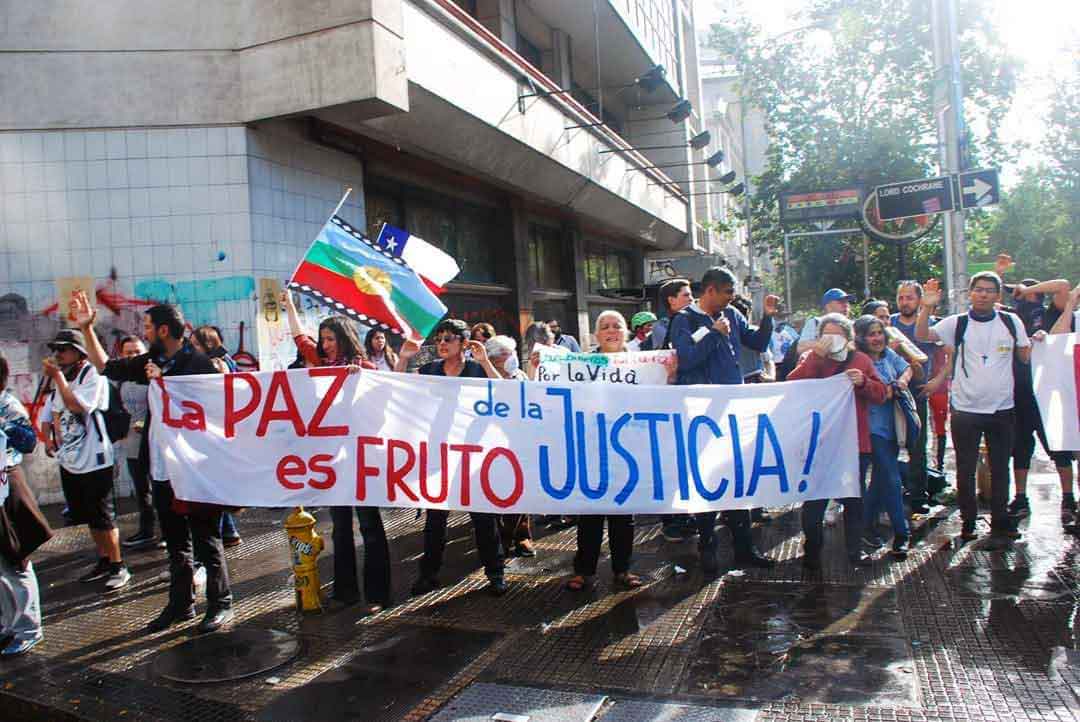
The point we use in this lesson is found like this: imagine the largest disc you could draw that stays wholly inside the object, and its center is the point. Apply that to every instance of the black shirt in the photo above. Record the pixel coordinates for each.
(471, 369)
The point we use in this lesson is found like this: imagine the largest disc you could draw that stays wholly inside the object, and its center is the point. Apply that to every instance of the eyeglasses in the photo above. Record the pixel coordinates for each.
(446, 339)
(984, 289)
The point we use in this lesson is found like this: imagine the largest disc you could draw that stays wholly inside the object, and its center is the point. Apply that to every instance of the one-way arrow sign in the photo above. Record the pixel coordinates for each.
(979, 188)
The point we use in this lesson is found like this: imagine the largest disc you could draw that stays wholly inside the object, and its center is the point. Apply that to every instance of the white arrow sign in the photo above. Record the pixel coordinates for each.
(978, 188)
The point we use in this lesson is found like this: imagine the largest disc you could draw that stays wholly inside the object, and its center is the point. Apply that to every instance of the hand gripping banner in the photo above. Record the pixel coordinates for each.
(324, 437)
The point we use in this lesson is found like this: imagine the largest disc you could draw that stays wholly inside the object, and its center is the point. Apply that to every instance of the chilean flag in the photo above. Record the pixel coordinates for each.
(433, 265)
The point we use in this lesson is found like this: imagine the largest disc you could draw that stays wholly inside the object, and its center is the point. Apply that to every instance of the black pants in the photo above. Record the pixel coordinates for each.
(737, 520)
(190, 537)
(590, 534)
(813, 514)
(967, 432)
(488, 544)
(915, 483)
(1029, 425)
(140, 478)
(376, 555)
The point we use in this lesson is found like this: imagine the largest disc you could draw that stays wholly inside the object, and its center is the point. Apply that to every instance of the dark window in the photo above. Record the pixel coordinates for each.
(469, 233)
(468, 6)
(547, 257)
(607, 267)
(530, 52)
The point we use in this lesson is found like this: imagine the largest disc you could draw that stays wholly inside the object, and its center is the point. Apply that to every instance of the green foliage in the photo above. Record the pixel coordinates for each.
(848, 100)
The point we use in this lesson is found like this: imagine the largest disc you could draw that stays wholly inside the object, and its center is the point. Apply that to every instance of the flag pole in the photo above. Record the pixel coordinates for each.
(341, 202)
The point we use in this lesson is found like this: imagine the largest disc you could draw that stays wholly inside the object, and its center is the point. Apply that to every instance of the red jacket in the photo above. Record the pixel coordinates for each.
(812, 366)
(310, 351)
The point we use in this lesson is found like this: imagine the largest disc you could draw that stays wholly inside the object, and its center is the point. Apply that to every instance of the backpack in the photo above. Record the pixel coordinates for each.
(117, 419)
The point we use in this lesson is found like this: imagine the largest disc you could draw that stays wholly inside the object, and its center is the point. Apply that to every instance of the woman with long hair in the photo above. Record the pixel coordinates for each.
(379, 351)
(883, 492)
(339, 346)
(611, 333)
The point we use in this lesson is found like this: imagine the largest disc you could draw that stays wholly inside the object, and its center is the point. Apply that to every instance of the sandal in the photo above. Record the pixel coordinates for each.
(577, 583)
(628, 580)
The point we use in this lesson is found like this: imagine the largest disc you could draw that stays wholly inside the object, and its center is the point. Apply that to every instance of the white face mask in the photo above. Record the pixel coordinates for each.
(511, 364)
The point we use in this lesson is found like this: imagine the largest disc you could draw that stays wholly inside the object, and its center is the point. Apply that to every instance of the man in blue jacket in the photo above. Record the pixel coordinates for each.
(707, 335)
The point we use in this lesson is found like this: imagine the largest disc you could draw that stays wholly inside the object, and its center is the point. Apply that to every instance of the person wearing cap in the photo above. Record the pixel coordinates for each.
(641, 325)
(77, 435)
(835, 300)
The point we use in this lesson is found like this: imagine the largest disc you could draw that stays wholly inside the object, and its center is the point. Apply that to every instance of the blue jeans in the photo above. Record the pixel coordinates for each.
(228, 527)
(884, 492)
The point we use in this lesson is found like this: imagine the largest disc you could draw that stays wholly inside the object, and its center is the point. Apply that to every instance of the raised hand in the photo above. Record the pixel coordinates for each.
(153, 371)
(1002, 263)
(771, 305)
(50, 369)
(410, 348)
(823, 346)
(931, 293)
(479, 351)
(81, 310)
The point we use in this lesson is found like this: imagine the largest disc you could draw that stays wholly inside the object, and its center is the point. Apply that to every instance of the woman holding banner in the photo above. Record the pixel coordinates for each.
(339, 346)
(884, 492)
(611, 336)
(830, 354)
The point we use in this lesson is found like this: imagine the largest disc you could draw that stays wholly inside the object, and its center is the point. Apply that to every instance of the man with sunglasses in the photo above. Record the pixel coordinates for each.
(451, 341)
(984, 344)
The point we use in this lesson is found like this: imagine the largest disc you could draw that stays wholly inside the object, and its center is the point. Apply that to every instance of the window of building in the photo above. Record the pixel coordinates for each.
(468, 232)
(548, 257)
(607, 267)
(529, 51)
(468, 6)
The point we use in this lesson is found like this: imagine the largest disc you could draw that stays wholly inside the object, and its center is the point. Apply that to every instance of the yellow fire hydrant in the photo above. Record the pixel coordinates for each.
(305, 545)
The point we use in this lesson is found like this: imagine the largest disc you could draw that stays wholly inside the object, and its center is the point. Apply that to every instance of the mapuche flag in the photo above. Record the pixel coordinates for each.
(350, 273)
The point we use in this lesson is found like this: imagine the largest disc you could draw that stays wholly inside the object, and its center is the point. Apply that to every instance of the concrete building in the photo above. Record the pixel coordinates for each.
(738, 129)
(181, 150)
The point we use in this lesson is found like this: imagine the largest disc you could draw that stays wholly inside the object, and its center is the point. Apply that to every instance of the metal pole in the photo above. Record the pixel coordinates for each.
(596, 44)
(746, 192)
(787, 271)
(901, 260)
(866, 265)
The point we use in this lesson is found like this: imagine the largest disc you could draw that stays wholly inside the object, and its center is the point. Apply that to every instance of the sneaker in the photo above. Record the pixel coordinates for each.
(215, 619)
(900, 547)
(21, 646)
(138, 539)
(967, 532)
(101, 570)
(920, 507)
(525, 548)
(860, 559)
(231, 541)
(497, 587)
(169, 617)
(119, 576)
(1019, 507)
(1068, 510)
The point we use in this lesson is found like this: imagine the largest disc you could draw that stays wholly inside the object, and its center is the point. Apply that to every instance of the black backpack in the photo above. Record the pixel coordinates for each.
(117, 419)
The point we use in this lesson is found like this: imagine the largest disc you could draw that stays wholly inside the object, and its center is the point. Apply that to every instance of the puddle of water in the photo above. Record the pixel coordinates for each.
(384, 680)
(815, 643)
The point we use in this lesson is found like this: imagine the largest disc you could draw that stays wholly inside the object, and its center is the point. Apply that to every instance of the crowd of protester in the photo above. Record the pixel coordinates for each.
(970, 371)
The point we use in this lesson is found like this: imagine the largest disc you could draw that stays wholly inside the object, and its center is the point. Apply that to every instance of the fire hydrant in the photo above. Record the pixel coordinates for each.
(305, 545)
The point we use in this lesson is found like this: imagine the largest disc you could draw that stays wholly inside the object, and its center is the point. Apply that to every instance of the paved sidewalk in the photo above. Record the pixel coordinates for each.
(952, 633)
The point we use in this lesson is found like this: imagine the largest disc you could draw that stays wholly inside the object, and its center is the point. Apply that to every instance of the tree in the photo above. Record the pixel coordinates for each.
(848, 100)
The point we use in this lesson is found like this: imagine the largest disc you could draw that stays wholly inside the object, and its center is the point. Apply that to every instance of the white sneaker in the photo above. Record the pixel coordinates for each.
(118, 579)
(199, 579)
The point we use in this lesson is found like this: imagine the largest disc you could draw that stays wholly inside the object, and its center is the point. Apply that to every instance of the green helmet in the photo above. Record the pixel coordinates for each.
(641, 318)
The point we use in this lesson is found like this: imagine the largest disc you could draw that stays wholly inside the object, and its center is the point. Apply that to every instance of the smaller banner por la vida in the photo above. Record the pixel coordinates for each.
(325, 437)
(634, 368)
(1055, 367)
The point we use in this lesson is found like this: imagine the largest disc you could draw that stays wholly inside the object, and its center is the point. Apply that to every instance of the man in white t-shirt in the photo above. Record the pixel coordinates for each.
(77, 436)
(984, 344)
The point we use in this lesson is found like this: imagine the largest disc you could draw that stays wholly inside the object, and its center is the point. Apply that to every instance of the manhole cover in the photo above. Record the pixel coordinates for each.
(226, 656)
(481, 702)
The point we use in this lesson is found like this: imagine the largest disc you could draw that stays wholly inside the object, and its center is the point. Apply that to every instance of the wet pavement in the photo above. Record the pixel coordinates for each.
(954, 632)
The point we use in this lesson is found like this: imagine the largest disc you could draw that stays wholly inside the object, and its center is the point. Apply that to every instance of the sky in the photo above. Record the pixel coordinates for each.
(1043, 34)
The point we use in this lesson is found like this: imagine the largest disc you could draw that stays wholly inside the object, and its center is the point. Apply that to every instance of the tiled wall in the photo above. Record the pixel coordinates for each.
(194, 214)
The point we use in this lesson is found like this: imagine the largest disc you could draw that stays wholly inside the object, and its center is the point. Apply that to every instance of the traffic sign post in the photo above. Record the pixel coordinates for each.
(978, 188)
(915, 198)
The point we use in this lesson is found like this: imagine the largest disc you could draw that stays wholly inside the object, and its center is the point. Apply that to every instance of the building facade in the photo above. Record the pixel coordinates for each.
(180, 151)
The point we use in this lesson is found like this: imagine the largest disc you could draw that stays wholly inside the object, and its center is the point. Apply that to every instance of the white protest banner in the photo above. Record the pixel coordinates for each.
(323, 437)
(1055, 367)
(634, 368)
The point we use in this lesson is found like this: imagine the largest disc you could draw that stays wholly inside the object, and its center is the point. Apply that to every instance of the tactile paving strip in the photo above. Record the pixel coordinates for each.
(481, 702)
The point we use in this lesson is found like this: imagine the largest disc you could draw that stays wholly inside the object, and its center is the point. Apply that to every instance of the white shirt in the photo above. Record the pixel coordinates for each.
(633, 345)
(809, 330)
(84, 444)
(983, 380)
(134, 399)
